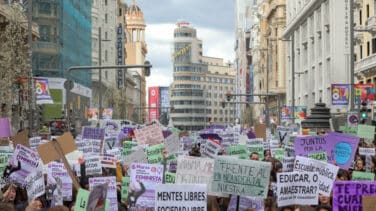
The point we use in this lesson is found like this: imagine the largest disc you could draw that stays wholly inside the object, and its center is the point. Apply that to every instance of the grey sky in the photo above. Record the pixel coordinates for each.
(213, 19)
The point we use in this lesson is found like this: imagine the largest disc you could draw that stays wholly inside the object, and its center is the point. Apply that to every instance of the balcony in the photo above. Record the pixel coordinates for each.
(359, 37)
(365, 65)
(371, 24)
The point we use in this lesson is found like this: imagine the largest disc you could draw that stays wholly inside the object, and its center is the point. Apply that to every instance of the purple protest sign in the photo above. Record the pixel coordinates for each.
(340, 148)
(347, 195)
(93, 133)
(246, 202)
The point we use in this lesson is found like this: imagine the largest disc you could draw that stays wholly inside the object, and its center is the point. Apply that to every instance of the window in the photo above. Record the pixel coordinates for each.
(120, 12)
(105, 18)
(373, 45)
(360, 17)
(367, 10)
(44, 8)
(106, 74)
(105, 2)
(361, 52)
(105, 55)
(368, 48)
(44, 32)
(105, 35)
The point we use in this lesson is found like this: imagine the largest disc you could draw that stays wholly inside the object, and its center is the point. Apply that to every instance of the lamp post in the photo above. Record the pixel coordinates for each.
(68, 85)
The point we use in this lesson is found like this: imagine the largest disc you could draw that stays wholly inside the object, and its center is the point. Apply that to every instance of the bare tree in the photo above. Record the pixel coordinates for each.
(13, 56)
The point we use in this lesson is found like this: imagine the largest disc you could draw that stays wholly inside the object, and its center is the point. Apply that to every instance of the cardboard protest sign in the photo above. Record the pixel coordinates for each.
(93, 166)
(366, 131)
(327, 172)
(347, 195)
(82, 200)
(211, 148)
(260, 131)
(339, 148)
(297, 188)
(289, 151)
(35, 183)
(21, 138)
(245, 203)
(240, 177)
(111, 190)
(180, 197)
(151, 135)
(57, 170)
(92, 133)
(154, 150)
(368, 203)
(49, 152)
(125, 182)
(172, 144)
(284, 134)
(362, 176)
(89, 146)
(136, 157)
(147, 176)
(23, 162)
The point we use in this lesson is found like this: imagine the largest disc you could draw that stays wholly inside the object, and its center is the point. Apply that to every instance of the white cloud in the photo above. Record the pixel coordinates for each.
(159, 39)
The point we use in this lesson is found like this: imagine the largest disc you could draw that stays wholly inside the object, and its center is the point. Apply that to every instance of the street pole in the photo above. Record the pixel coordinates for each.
(30, 81)
(100, 73)
(293, 78)
(267, 120)
(352, 93)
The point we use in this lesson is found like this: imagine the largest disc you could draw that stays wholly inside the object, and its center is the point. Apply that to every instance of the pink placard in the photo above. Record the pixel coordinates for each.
(4, 127)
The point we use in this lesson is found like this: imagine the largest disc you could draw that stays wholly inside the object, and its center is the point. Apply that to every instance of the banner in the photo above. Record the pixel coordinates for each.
(187, 197)
(107, 113)
(327, 172)
(297, 188)
(300, 112)
(364, 92)
(172, 144)
(154, 104)
(111, 189)
(241, 177)
(93, 114)
(144, 178)
(340, 148)
(340, 94)
(347, 195)
(42, 93)
(211, 148)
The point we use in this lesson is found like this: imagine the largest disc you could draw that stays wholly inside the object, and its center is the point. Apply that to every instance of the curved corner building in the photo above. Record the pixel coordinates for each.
(199, 83)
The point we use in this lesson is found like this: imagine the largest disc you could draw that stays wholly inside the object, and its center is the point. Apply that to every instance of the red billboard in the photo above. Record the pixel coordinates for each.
(153, 103)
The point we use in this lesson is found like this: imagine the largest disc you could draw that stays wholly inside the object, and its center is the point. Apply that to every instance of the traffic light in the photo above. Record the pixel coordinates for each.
(147, 68)
(363, 112)
(228, 96)
(223, 103)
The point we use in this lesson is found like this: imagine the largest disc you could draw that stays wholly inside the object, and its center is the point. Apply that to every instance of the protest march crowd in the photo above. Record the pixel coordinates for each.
(127, 167)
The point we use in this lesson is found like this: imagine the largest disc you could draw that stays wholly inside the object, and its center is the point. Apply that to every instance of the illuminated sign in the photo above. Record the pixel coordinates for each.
(120, 55)
(182, 51)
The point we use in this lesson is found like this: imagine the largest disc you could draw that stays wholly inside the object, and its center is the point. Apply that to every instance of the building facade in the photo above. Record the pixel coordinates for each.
(319, 46)
(199, 84)
(270, 75)
(136, 50)
(365, 42)
(64, 27)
